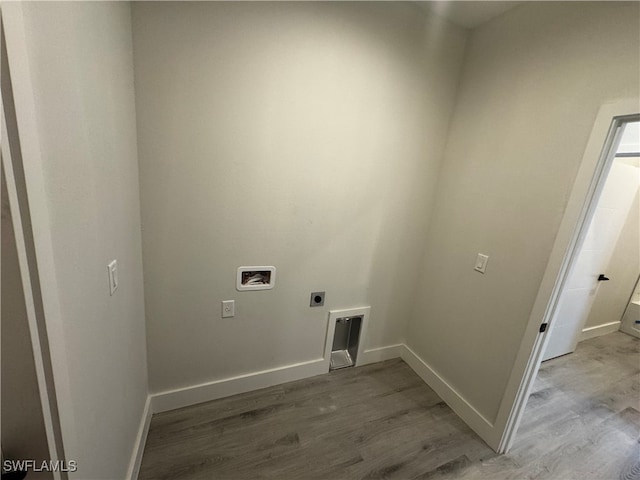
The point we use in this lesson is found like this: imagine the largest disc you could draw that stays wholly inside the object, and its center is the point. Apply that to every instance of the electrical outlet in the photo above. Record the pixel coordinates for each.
(228, 308)
(317, 299)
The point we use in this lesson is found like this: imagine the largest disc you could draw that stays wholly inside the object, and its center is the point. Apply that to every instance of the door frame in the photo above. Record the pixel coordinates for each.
(18, 148)
(604, 255)
(594, 167)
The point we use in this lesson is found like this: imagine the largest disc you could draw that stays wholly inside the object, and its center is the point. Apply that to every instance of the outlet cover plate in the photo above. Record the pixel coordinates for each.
(317, 299)
(228, 308)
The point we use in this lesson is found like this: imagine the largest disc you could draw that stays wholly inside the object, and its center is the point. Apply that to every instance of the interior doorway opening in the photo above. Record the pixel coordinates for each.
(585, 389)
(603, 276)
(596, 163)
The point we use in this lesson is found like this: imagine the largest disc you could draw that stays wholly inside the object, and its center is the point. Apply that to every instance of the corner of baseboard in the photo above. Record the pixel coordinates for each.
(460, 405)
(141, 440)
(172, 399)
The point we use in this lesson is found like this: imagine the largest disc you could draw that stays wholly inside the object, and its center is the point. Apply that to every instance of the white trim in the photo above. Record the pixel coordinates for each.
(331, 330)
(192, 395)
(183, 397)
(451, 397)
(586, 188)
(141, 440)
(204, 392)
(599, 330)
(380, 354)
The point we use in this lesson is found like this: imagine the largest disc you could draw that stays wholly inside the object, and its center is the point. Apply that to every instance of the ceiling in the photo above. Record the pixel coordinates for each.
(467, 14)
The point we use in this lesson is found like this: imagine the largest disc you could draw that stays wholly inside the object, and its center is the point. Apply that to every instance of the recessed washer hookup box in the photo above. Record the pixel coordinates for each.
(256, 278)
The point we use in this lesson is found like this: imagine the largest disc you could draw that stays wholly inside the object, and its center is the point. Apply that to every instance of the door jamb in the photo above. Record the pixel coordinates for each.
(20, 148)
(589, 182)
(42, 365)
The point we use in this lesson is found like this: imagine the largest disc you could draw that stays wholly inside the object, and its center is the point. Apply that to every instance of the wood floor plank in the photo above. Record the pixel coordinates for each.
(381, 421)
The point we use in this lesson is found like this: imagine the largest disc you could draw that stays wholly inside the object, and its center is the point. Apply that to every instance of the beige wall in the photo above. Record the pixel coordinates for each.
(533, 81)
(302, 135)
(80, 57)
(306, 136)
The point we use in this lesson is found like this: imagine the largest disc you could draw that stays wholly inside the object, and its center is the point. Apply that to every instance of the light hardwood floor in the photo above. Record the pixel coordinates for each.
(381, 421)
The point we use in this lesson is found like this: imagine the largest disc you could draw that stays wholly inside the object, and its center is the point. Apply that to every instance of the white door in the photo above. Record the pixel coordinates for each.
(607, 222)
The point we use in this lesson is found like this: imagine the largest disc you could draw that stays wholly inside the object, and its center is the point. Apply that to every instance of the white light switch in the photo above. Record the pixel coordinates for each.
(113, 276)
(228, 308)
(481, 263)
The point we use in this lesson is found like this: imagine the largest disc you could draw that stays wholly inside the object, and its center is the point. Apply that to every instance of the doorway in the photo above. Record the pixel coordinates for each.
(607, 266)
(589, 182)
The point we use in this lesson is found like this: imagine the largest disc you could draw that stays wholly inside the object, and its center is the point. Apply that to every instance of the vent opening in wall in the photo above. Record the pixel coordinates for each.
(256, 278)
(346, 338)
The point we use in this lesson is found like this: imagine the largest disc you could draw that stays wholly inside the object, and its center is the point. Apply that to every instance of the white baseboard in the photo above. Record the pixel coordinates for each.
(184, 397)
(451, 397)
(599, 330)
(141, 440)
(380, 354)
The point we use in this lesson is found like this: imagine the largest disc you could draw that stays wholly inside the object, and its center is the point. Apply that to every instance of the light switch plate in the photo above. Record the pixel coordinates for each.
(481, 263)
(228, 308)
(113, 276)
